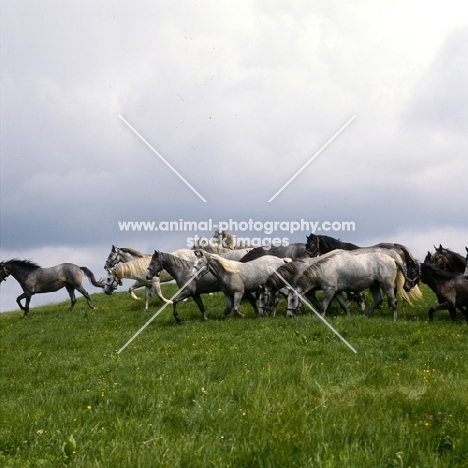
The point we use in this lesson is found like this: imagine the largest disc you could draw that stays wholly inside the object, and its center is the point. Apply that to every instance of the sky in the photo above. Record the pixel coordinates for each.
(236, 97)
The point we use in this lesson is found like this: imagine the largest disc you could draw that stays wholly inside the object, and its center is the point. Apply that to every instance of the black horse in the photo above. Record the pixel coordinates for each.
(319, 245)
(450, 288)
(446, 260)
(34, 279)
(293, 251)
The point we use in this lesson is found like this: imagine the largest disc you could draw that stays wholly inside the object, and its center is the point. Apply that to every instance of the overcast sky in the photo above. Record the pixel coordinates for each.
(237, 97)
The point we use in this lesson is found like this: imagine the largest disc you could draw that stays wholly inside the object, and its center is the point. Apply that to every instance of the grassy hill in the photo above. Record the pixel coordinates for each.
(269, 392)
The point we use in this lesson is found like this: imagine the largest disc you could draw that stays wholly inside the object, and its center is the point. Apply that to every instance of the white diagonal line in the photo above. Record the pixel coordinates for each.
(306, 302)
(312, 158)
(160, 310)
(162, 159)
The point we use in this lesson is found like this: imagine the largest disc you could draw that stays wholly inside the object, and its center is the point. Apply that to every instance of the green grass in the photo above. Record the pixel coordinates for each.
(250, 392)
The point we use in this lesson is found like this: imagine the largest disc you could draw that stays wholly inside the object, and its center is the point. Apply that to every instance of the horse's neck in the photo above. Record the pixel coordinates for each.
(134, 269)
(171, 264)
(20, 274)
(215, 267)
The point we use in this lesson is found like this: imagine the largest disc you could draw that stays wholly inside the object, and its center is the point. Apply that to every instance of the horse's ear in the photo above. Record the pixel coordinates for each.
(114, 248)
(440, 248)
(466, 248)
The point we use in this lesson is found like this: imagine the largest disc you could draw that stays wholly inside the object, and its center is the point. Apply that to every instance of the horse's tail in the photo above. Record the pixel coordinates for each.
(91, 277)
(415, 293)
(400, 281)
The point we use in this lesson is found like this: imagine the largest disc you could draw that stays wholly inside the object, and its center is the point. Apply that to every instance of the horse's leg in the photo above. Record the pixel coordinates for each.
(275, 303)
(328, 295)
(24, 308)
(148, 295)
(389, 291)
(71, 293)
(134, 286)
(237, 300)
(83, 291)
(375, 291)
(229, 304)
(201, 306)
(310, 295)
(342, 301)
(441, 306)
(252, 302)
(156, 282)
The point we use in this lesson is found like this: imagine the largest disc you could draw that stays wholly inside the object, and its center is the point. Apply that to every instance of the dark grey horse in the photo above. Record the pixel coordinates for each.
(34, 279)
(181, 271)
(292, 251)
(450, 288)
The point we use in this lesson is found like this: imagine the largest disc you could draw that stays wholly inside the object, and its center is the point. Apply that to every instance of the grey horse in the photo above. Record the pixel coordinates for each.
(35, 279)
(236, 279)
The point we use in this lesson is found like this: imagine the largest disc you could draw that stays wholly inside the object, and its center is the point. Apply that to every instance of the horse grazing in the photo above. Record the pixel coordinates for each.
(286, 276)
(137, 271)
(319, 245)
(450, 288)
(236, 279)
(446, 260)
(181, 271)
(292, 251)
(346, 271)
(35, 279)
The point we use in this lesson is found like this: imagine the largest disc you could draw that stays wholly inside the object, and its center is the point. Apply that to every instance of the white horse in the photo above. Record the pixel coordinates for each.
(137, 263)
(236, 279)
(345, 271)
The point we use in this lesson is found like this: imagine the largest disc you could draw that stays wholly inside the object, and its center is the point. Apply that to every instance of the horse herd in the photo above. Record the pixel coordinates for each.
(343, 271)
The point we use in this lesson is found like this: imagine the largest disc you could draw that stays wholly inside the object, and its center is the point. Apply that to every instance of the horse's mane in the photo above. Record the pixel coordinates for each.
(311, 272)
(284, 273)
(133, 252)
(330, 243)
(28, 264)
(255, 253)
(175, 260)
(229, 266)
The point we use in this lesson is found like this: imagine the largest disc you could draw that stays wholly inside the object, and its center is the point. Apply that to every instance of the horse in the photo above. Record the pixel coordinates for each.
(292, 251)
(287, 275)
(228, 254)
(446, 260)
(180, 270)
(319, 245)
(450, 288)
(137, 271)
(236, 279)
(35, 279)
(346, 271)
(227, 240)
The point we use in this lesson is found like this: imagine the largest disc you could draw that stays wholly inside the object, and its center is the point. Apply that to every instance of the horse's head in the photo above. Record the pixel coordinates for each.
(294, 302)
(312, 246)
(112, 258)
(155, 266)
(200, 267)
(266, 300)
(4, 273)
(112, 281)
